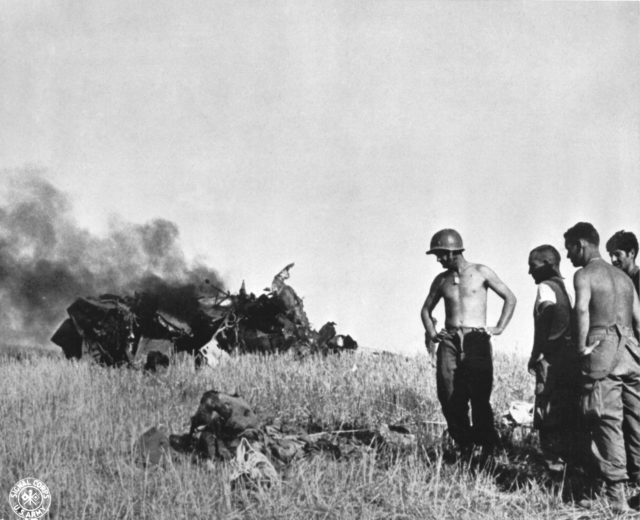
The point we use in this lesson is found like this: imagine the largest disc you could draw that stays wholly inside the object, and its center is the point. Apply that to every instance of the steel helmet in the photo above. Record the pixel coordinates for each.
(446, 240)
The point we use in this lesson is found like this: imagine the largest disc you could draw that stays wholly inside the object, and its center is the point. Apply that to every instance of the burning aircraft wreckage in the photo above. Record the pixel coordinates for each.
(137, 331)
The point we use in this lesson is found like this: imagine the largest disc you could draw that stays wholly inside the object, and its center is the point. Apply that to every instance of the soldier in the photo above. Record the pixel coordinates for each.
(554, 362)
(606, 309)
(464, 362)
(623, 250)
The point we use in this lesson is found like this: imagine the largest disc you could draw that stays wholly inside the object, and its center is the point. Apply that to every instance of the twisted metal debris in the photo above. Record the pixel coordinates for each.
(137, 331)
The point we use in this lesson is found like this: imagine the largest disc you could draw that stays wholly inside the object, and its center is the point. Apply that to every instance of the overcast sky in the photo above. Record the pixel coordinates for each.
(337, 135)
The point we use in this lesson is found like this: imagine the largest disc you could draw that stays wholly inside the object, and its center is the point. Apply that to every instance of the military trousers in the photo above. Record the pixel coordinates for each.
(465, 379)
(557, 414)
(611, 402)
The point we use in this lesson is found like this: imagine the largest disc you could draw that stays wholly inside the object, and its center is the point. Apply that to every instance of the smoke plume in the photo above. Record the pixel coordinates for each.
(47, 261)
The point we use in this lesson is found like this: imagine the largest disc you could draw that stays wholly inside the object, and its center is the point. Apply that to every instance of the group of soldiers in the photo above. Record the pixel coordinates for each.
(585, 355)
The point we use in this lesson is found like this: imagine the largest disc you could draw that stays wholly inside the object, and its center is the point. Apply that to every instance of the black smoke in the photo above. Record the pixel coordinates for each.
(47, 260)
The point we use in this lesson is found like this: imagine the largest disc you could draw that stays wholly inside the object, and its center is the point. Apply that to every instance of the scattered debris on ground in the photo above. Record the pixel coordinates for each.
(138, 331)
(518, 419)
(225, 428)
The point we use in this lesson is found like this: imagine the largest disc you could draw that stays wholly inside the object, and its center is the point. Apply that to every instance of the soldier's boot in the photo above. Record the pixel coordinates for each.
(465, 452)
(612, 494)
(615, 496)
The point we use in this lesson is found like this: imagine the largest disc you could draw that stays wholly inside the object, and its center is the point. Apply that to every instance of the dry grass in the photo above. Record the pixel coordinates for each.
(73, 425)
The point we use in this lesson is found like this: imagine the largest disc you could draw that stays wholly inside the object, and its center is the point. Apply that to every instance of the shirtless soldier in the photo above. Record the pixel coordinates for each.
(464, 360)
(606, 309)
(623, 250)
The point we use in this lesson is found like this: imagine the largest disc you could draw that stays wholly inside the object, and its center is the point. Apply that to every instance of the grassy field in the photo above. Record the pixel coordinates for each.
(73, 425)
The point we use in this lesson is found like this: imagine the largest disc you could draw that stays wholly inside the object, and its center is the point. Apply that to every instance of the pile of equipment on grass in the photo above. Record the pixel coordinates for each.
(140, 331)
(225, 428)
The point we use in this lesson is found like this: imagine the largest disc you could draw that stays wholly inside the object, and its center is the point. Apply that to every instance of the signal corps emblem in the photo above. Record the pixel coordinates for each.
(30, 498)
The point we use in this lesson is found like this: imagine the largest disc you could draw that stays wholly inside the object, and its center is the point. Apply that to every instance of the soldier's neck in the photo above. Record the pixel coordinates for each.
(460, 265)
(592, 256)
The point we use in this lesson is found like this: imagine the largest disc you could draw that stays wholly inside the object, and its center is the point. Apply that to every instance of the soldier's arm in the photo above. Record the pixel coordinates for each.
(636, 314)
(500, 288)
(541, 330)
(432, 300)
(581, 309)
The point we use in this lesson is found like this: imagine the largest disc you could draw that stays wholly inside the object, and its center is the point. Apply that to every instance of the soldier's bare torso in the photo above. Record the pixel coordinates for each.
(611, 299)
(465, 296)
(464, 287)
